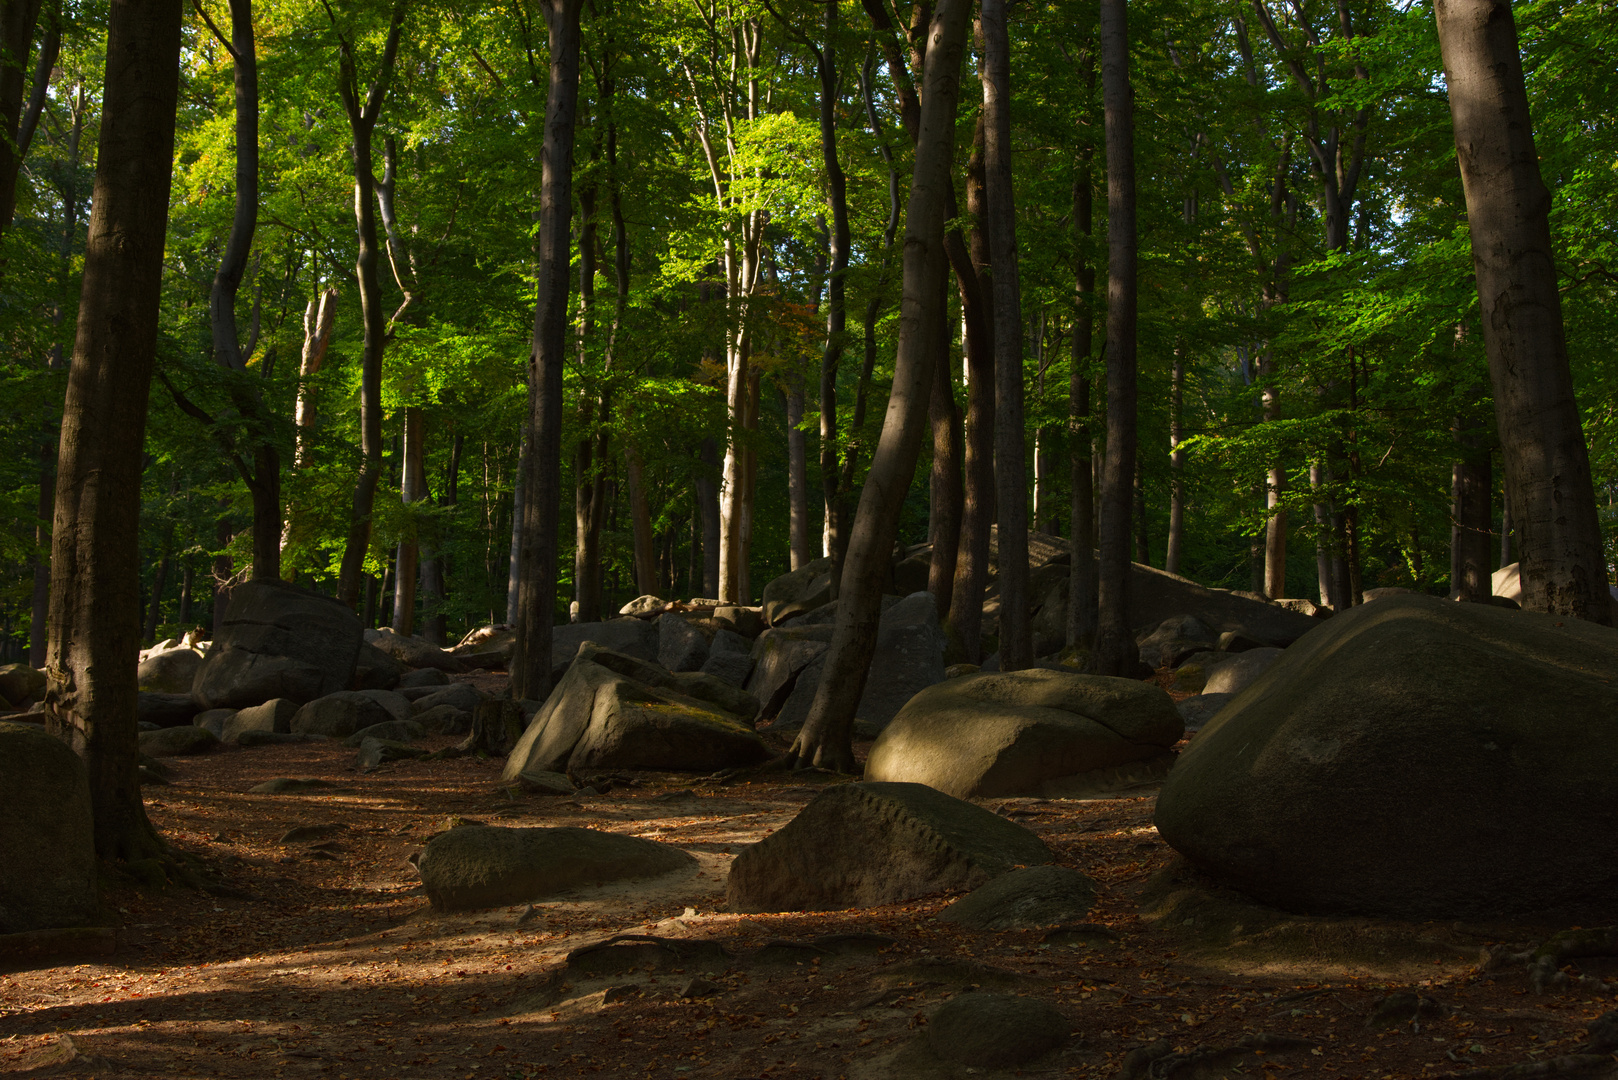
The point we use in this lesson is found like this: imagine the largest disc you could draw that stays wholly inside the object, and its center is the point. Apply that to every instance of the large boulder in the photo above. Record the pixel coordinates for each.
(456, 695)
(779, 658)
(399, 707)
(599, 717)
(1023, 732)
(46, 841)
(1413, 757)
(177, 741)
(166, 710)
(680, 646)
(278, 641)
(1024, 899)
(337, 716)
(272, 716)
(413, 651)
(488, 866)
(1237, 671)
(869, 844)
(20, 683)
(376, 670)
(633, 637)
(908, 658)
(802, 590)
(171, 671)
(1174, 639)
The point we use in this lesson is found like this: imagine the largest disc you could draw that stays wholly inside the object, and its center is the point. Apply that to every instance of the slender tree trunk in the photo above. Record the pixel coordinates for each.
(1323, 534)
(1275, 525)
(531, 650)
(362, 118)
(1115, 652)
(1176, 542)
(836, 295)
(412, 486)
(640, 520)
(945, 484)
(17, 21)
(514, 557)
(1010, 457)
(826, 736)
(1547, 463)
(94, 615)
(1472, 516)
(154, 611)
(978, 474)
(319, 318)
(797, 481)
(708, 507)
(1081, 603)
(187, 576)
(223, 571)
(1505, 527)
(1143, 539)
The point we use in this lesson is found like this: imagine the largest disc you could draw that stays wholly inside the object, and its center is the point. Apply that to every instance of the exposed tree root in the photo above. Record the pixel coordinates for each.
(1545, 962)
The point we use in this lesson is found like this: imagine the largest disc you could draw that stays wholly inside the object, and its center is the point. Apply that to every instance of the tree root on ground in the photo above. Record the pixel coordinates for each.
(1545, 961)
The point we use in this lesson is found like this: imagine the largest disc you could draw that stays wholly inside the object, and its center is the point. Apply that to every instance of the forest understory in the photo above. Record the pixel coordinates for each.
(329, 962)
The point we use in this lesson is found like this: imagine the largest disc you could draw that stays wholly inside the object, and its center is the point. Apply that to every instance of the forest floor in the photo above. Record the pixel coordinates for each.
(330, 964)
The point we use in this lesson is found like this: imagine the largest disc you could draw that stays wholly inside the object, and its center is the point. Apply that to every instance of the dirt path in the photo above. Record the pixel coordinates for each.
(331, 964)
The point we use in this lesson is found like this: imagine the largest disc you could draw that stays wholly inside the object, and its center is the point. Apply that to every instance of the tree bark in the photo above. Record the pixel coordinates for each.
(640, 521)
(412, 486)
(1010, 447)
(90, 695)
(708, 507)
(223, 572)
(362, 118)
(1081, 594)
(799, 548)
(1547, 463)
(978, 506)
(1176, 543)
(826, 736)
(17, 21)
(1472, 516)
(831, 358)
(944, 487)
(531, 649)
(1115, 652)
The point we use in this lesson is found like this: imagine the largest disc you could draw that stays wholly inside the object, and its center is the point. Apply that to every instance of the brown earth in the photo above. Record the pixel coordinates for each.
(330, 964)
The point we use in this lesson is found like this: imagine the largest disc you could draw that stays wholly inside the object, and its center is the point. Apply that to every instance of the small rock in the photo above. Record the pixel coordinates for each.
(995, 1031)
(1029, 897)
(445, 720)
(699, 988)
(177, 741)
(303, 834)
(375, 752)
(544, 782)
(391, 730)
(493, 867)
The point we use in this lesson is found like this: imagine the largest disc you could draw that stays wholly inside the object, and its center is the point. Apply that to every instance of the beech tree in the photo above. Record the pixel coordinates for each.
(1563, 566)
(95, 596)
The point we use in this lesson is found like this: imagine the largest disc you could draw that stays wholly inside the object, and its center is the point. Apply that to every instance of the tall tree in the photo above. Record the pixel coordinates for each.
(363, 113)
(1010, 454)
(18, 120)
(1114, 652)
(1547, 462)
(531, 650)
(826, 736)
(90, 695)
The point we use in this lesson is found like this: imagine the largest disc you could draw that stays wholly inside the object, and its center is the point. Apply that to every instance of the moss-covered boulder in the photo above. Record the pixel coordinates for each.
(46, 843)
(1022, 732)
(1413, 757)
(601, 715)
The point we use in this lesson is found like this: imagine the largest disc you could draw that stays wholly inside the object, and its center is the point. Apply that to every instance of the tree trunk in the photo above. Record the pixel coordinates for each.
(640, 522)
(1505, 527)
(1115, 652)
(17, 21)
(708, 506)
(1176, 543)
(977, 511)
(1010, 447)
(223, 571)
(362, 118)
(514, 558)
(799, 547)
(1547, 463)
(1081, 594)
(412, 486)
(187, 576)
(1275, 523)
(826, 736)
(531, 649)
(1323, 534)
(90, 698)
(1472, 516)
(319, 318)
(836, 296)
(154, 611)
(944, 488)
